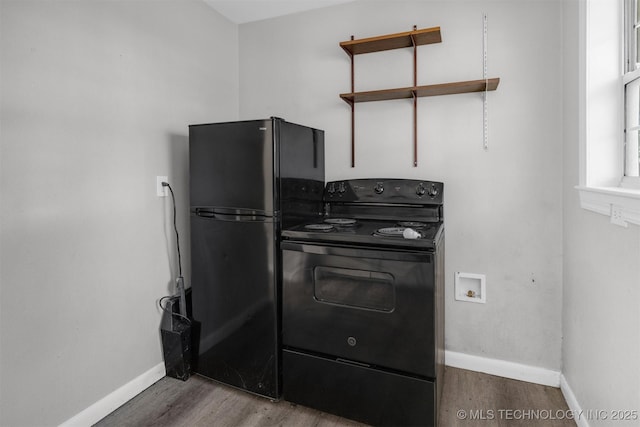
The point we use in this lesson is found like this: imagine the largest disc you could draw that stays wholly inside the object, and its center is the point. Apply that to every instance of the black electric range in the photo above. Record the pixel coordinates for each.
(363, 303)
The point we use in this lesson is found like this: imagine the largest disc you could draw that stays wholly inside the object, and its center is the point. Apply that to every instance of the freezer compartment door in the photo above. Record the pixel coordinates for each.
(234, 297)
(232, 165)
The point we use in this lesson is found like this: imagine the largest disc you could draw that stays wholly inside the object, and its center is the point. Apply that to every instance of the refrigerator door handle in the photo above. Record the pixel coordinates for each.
(227, 214)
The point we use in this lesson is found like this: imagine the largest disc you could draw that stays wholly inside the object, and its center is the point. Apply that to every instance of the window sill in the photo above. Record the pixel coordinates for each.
(621, 205)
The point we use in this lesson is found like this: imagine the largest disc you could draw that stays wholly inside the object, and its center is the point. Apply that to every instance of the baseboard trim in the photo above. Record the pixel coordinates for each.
(572, 402)
(503, 368)
(114, 400)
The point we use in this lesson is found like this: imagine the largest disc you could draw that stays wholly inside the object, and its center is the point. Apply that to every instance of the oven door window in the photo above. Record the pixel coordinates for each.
(354, 288)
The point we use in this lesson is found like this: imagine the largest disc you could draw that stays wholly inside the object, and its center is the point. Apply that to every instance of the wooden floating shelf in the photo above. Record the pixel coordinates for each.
(392, 41)
(408, 39)
(422, 91)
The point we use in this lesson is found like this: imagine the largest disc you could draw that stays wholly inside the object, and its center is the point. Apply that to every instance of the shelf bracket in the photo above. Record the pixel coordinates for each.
(353, 112)
(415, 128)
(415, 98)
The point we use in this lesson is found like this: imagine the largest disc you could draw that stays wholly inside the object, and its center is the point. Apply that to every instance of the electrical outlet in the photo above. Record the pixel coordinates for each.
(616, 216)
(161, 191)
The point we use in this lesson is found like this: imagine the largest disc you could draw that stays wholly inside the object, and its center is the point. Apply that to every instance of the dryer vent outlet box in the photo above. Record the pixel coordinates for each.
(470, 287)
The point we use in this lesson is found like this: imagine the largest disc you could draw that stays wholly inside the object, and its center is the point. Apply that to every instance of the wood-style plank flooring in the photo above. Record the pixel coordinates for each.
(492, 401)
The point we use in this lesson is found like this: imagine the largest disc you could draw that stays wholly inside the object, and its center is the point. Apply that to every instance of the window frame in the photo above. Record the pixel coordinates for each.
(631, 78)
(630, 40)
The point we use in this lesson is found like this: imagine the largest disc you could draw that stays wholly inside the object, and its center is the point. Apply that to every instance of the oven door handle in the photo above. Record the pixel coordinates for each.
(358, 252)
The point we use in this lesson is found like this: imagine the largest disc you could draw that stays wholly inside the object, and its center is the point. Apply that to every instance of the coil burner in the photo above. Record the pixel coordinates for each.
(412, 224)
(319, 227)
(341, 222)
(397, 232)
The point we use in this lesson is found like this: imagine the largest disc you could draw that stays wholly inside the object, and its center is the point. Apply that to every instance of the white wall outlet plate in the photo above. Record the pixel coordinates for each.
(470, 287)
(161, 191)
(617, 216)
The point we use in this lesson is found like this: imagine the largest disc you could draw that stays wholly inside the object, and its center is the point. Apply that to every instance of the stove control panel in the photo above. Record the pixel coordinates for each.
(385, 191)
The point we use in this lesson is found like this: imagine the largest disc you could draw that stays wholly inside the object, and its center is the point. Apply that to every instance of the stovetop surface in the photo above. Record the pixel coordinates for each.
(366, 232)
(357, 209)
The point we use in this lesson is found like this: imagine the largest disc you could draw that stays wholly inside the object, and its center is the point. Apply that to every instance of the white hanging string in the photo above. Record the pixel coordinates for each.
(485, 107)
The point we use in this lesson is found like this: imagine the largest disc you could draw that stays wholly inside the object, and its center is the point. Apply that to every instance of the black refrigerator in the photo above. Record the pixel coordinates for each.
(248, 180)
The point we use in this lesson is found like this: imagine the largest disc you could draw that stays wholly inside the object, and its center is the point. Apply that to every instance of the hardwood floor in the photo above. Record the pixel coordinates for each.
(495, 401)
(486, 401)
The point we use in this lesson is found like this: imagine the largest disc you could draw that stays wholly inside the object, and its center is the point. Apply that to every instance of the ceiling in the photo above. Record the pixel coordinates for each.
(242, 11)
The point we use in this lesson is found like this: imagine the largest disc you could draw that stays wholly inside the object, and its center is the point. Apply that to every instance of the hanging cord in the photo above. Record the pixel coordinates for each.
(175, 227)
(180, 279)
(172, 313)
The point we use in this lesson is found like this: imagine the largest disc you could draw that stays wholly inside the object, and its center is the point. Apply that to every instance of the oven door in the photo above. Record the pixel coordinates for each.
(366, 306)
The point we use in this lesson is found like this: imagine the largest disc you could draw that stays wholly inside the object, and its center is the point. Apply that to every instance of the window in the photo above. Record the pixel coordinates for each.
(631, 82)
(608, 60)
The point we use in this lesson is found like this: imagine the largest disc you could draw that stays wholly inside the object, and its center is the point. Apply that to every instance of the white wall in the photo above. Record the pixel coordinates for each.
(601, 276)
(503, 207)
(95, 101)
